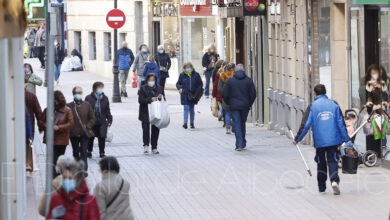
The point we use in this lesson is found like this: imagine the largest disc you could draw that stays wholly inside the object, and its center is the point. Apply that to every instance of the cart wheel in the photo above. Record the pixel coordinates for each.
(387, 155)
(370, 158)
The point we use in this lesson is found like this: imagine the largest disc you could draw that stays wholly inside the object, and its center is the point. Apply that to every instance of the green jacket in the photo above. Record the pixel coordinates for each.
(33, 81)
(221, 84)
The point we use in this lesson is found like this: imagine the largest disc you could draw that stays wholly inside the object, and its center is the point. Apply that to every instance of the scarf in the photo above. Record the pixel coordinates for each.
(226, 75)
(188, 73)
(151, 91)
(96, 108)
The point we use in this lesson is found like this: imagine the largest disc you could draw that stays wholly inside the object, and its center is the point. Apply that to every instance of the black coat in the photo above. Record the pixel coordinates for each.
(163, 60)
(207, 60)
(59, 55)
(145, 98)
(239, 92)
(101, 124)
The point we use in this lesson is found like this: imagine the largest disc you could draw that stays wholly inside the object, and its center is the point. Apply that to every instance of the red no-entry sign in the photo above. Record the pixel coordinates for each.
(115, 18)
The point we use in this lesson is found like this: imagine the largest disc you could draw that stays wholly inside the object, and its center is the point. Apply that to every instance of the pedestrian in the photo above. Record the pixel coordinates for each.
(30, 42)
(63, 123)
(151, 68)
(239, 93)
(125, 60)
(31, 79)
(40, 39)
(326, 119)
(208, 62)
(148, 93)
(62, 166)
(164, 64)
(84, 120)
(226, 74)
(101, 107)
(190, 87)
(217, 67)
(113, 192)
(73, 200)
(140, 61)
(59, 56)
(34, 112)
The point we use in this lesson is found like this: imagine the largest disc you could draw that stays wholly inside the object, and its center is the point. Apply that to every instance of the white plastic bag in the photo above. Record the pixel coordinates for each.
(35, 158)
(110, 135)
(154, 112)
(164, 115)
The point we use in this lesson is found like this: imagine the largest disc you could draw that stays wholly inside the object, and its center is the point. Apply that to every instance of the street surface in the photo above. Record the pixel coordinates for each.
(198, 175)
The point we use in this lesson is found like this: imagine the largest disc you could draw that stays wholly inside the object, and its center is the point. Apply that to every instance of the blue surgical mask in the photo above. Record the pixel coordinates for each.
(188, 69)
(161, 51)
(69, 185)
(77, 97)
(144, 50)
(99, 91)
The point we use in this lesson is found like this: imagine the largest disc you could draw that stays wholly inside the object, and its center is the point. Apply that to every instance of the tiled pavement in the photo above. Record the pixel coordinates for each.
(198, 175)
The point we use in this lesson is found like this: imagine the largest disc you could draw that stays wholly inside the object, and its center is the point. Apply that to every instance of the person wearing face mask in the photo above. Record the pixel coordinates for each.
(139, 62)
(190, 87)
(59, 56)
(125, 60)
(84, 120)
(148, 93)
(63, 123)
(113, 192)
(101, 107)
(208, 62)
(151, 68)
(164, 63)
(73, 200)
(31, 79)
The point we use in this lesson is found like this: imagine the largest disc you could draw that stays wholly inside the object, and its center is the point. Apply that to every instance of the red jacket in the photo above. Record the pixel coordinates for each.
(72, 202)
(215, 88)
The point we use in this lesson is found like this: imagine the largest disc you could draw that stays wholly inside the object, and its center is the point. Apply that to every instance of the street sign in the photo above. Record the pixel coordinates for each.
(115, 18)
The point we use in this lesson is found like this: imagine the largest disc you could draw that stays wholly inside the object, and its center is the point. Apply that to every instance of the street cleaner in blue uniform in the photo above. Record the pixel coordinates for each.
(329, 132)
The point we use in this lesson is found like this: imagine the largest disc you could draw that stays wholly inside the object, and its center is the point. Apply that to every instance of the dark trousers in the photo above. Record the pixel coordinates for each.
(326, 158)
(102, 144)
(162, 82)
(80, 145)
(147, 138)
(58, 150)
(239, 120)
(41, 55)
(207, 75)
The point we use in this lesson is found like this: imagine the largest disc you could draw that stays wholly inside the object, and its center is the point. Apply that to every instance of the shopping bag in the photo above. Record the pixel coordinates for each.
(164, 120)
(134, 83)
(154, 112)
(214, 107)
(110, 135)
(35, 158)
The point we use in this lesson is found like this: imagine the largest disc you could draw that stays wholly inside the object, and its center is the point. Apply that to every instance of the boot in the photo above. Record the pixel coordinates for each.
(228, 129)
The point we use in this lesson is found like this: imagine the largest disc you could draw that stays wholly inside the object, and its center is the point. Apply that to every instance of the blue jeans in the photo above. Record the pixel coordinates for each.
(30, 51)
(207, 74)
(228, 117)
(239, 119)
(57, 71)
(326, 158)
(189, 108)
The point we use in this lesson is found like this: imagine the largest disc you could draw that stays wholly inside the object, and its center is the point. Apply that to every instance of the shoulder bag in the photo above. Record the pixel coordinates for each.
(116, 195)
(87, 132)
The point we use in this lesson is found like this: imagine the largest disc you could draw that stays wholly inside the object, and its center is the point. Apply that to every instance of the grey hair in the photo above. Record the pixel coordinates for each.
(240, 67)
(77, 168)
(64, 162)
(160, 47)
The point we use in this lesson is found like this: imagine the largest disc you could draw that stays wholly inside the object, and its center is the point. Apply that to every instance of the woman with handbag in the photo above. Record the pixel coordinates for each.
(84, 120)
(101, 107)
(113, 192)
(190, 87)
(63, 123)
(148, 93)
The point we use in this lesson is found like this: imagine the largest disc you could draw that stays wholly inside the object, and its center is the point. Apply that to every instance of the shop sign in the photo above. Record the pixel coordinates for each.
(195, 8)
(254, 7)
(275, 7)
(372, 1)
(165, 10)
(193, 2)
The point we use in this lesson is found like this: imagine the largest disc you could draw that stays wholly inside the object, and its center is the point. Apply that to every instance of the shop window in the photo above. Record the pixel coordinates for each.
(107, 46)
(92, 45)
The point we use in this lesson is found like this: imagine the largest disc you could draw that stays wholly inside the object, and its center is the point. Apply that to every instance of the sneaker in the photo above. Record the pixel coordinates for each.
(125, 94)
(192, 126)
(146, 149)
(336, 189)
(89, 154)
(238, 149)
(185, 126)
(228, 129)
(155, 151)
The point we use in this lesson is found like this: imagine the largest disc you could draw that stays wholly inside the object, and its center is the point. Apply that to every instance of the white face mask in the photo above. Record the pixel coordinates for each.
(99, 91)
(211, 50)
(161, 51)
(375, 76)
(151, 83)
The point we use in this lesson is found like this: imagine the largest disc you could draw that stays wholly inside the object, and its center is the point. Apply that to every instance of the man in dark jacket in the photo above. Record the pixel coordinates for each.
(84, 120)
(59, 56)
(125, 60)
(239, 93)
(164, 63)
(329, 132)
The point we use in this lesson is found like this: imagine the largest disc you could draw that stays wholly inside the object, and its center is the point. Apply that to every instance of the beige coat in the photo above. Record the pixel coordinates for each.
(105, 191)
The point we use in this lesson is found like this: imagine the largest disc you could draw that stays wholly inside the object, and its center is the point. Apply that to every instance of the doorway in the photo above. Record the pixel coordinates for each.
(240, 40)
(156, 36)
(371, 34)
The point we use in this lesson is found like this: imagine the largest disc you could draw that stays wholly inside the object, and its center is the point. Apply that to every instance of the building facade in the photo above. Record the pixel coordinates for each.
(89, 33)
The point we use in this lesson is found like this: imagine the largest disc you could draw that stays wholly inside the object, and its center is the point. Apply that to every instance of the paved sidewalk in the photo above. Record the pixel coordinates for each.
(198, 175)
